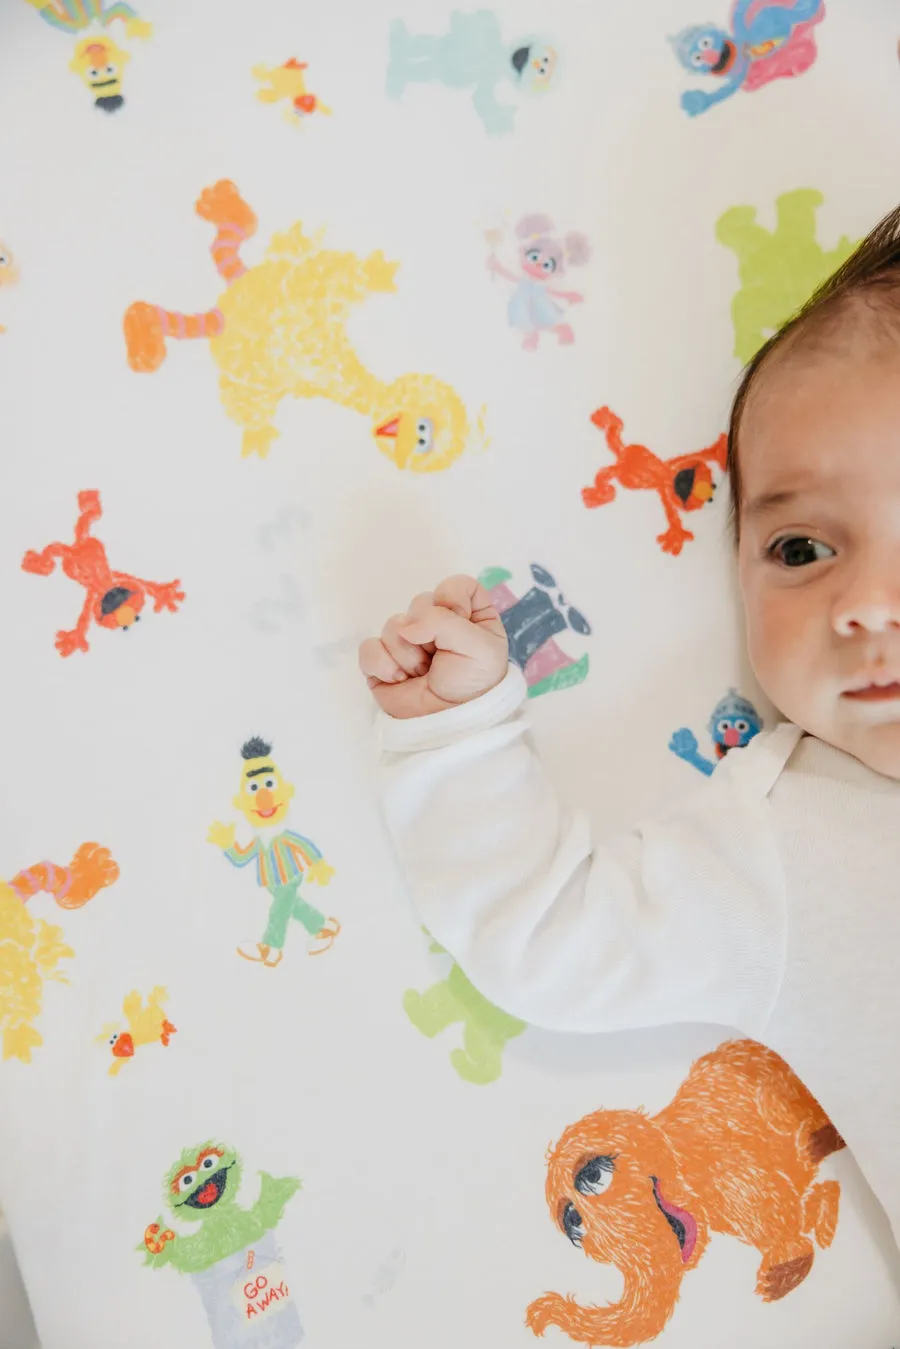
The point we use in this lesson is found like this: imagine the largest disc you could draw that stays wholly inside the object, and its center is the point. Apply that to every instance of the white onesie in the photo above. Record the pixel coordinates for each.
(767, 900)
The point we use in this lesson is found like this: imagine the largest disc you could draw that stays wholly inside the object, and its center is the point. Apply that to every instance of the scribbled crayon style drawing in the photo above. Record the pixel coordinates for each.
(737, 1152)
(113, 599)
(9, 271)
(97, 60)
(288, 521)
(144, 1023)
(683, 483)
(533, 623)
(284, 858)
(233, 1259)
(32, 950)
(287, 84)
(471, 55)
(768, 40)
(733, 724)
(779, 269)
(269, 613)
(544, 257)
(279, 330)
(385, 1277)
(455, 1001)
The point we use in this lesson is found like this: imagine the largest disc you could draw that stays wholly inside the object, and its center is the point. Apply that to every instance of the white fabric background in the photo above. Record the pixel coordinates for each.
(313, 1070)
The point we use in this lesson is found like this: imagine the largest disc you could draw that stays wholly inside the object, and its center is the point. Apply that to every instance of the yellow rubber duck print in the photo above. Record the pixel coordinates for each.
(30, 949)
(145, 1024)
(287, 83)
(280, 328)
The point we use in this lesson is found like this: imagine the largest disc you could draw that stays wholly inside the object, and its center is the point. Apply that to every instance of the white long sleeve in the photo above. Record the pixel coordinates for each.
(681, 919)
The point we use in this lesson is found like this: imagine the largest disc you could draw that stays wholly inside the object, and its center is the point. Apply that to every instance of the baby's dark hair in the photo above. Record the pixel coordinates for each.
(869, 282)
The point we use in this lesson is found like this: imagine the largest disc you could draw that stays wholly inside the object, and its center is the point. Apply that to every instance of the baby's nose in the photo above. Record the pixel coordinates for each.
(875, 615)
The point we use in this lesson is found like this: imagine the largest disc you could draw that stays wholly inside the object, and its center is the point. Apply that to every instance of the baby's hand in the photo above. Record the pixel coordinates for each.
(449, 648)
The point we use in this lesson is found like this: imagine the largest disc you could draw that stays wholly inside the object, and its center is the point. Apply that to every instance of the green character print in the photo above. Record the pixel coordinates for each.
(779, 269)
(233, 1259)
(486, 1029)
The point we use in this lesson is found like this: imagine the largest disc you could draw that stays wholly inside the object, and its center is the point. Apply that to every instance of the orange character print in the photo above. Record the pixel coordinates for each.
(737, 1151)
(684, 483)
(114, 599)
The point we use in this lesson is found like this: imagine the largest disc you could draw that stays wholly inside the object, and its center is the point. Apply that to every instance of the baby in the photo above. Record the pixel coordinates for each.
(769, 900)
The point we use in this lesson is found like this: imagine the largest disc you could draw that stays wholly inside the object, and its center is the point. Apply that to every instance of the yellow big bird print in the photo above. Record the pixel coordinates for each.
(280, 328)
(30, 949)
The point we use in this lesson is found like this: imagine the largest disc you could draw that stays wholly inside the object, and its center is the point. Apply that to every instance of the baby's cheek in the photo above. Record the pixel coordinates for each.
(774, 642)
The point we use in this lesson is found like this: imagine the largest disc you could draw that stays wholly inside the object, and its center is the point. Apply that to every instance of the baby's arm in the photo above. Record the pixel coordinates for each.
(681, 919)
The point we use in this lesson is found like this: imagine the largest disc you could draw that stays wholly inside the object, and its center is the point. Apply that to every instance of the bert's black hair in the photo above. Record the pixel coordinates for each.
(255, 748)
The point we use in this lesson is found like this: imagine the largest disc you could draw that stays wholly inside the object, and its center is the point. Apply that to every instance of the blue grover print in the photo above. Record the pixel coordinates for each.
(768, 39)
(473, 55)
(733, 724)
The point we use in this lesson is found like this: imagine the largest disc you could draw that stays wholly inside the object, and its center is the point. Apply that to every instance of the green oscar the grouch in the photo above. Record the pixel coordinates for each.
(202, 1187)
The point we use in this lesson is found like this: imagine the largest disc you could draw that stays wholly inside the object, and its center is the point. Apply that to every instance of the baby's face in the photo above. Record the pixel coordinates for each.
(819, 554)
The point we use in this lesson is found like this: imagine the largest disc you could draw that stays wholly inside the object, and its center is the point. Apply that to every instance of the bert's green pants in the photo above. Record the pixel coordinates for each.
(287, 904)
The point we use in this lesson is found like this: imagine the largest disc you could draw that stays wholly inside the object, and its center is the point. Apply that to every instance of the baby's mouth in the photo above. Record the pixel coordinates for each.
(873, 693)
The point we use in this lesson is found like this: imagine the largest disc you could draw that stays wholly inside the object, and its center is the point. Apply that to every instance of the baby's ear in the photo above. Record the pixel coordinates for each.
(578, 250)
(534, 224)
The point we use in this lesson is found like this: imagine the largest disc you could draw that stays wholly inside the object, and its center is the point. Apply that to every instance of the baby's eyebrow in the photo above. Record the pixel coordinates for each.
(769, 501)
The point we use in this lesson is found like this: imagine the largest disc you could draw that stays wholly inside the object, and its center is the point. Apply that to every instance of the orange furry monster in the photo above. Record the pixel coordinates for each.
(736, 1151)
(683, 483)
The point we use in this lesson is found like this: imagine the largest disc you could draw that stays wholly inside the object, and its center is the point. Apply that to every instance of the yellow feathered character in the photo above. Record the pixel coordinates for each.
(281, 329)
(30, 949)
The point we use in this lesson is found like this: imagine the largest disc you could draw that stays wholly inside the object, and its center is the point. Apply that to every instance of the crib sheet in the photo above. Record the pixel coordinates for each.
(304, 307)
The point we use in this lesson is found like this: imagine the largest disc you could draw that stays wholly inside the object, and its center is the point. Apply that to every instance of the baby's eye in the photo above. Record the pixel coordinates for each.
(799, 552)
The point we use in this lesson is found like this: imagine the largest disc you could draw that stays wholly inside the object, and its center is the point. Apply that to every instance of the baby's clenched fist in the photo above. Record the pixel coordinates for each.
(449, 648)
